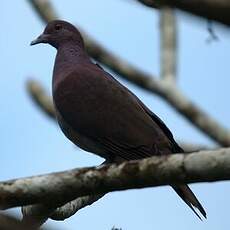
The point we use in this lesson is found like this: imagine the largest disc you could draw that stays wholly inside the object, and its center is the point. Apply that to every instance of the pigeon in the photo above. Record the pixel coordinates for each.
(99, 114)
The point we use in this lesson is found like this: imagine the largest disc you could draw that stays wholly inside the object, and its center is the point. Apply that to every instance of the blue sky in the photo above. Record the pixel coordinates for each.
(33, 144)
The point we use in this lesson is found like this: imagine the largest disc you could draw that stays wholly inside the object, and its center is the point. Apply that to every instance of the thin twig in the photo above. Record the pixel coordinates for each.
(212, 35)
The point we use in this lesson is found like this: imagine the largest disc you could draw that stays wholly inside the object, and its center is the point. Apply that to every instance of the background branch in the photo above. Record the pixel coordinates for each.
(168, 39)
(212, 9)
(41, 98)
(57, 188)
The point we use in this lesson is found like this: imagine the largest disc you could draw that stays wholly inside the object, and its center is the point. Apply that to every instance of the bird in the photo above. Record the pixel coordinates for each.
(99, 114)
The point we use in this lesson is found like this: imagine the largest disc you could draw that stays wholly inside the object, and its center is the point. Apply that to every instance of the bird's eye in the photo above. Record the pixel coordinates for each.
(57, 27)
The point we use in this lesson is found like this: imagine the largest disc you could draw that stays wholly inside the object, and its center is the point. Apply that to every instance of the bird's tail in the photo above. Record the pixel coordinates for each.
(190, 199)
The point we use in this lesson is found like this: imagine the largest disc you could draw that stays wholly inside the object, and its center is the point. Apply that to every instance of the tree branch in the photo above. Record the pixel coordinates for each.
(217, 10)
(38, 214)
(57, 188)
(168, 92)
(72, 207)
(41, 98)
(191, 147)
(168, 38)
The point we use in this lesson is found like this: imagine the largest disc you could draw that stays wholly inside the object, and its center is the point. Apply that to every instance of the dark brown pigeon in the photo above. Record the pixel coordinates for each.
(99, 114)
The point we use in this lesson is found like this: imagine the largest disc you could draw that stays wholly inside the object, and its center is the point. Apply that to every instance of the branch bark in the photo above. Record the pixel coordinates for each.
(168, 92)
(57, 188)
(36, 215)
(69, 209)
(217, 10)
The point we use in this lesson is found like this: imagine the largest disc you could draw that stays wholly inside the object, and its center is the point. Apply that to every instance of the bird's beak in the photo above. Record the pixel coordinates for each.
(43, 38)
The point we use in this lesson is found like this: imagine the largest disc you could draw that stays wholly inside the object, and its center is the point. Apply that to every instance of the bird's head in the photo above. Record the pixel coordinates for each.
(59, 32)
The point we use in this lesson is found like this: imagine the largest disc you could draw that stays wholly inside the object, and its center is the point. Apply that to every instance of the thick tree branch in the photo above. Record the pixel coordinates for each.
(212, 9)
(168, 38)
(168, 92)
(56, 188)
(38, 214)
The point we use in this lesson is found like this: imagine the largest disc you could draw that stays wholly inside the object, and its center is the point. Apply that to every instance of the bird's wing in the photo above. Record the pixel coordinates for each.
(175, 147)
(100, 108)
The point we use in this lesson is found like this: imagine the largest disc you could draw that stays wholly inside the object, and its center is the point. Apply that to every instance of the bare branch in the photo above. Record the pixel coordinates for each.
(36, 215)
(44, 9)
(57, 188)
(169, 93)
(212, 9)
(40, 97)
(72, 207)
(168, 38)
(190, 147)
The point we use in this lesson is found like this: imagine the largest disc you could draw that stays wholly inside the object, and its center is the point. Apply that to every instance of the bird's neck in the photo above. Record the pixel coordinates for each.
(68, 57)
(71, 53)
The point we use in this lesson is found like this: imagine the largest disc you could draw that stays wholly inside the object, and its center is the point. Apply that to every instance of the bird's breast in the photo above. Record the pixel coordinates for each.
(78, 138)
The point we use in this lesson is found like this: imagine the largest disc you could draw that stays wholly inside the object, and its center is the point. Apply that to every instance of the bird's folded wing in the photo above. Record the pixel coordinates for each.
(121, 151)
